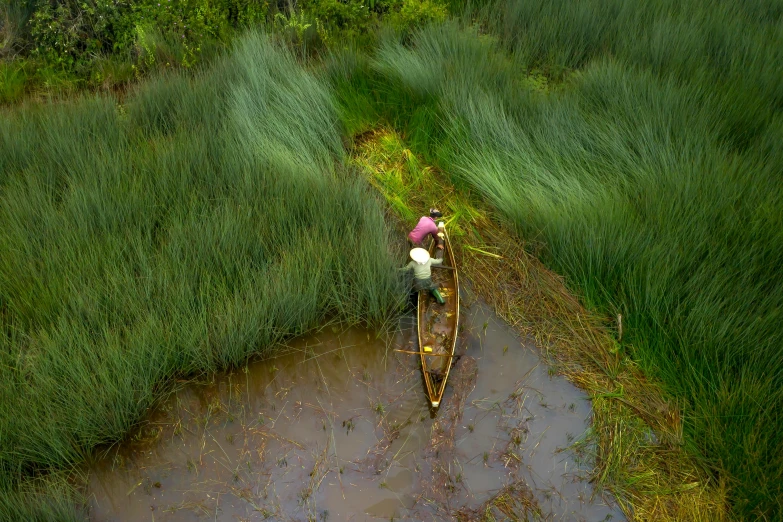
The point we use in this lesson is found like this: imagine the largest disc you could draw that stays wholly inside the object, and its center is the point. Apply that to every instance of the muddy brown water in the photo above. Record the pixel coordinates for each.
(339, 428)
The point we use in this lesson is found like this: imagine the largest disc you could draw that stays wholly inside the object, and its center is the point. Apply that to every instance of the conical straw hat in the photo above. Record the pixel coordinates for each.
(420, 255)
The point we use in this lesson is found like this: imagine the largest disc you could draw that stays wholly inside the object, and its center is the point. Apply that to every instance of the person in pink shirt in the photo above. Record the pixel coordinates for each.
(425, 227)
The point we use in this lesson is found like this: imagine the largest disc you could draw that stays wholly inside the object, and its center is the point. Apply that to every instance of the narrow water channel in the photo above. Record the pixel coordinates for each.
(338, 428)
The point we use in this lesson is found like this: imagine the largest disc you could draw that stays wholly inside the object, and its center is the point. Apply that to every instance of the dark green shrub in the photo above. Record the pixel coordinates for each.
(78, 35)
(68, 34)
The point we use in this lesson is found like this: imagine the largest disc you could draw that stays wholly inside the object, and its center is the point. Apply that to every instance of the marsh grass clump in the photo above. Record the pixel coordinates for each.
(48, 499)
(515, 501)
(199, 223)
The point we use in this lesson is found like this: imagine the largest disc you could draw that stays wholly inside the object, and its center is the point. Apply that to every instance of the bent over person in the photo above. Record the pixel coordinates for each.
(422, 273)
(426, 227)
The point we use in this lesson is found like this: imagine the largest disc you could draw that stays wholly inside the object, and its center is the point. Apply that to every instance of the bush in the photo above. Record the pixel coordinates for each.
(97, 43)
(417, 13)
(83, 37)
(69, 34)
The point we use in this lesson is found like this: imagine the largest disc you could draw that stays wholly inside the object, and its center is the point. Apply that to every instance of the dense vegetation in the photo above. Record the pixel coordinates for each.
(637, 144)
(641, 149)
(202, 222)
(53, 47)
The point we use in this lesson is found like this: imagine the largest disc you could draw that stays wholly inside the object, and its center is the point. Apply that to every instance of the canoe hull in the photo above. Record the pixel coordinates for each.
(438, 326)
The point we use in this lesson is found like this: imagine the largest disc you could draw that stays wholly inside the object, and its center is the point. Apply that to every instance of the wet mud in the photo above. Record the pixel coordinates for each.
(339, 428)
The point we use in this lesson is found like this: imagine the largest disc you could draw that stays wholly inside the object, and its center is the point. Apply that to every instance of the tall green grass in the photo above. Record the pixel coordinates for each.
(183, 231)
(207, 218)
(46, 500)
(649, 170)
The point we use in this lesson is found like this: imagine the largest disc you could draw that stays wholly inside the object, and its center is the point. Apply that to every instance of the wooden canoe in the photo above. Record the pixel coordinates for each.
(437, 325)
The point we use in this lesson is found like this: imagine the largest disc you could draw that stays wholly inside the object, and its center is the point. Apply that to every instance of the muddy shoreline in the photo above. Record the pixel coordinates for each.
(338, 428)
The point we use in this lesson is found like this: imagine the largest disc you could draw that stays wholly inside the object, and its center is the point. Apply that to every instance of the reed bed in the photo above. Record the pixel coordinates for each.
(635, 148)
(632, 147)
(197, 224)
(636, 439)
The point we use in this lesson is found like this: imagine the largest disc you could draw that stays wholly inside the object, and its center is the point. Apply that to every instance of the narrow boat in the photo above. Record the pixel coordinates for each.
(438, 324)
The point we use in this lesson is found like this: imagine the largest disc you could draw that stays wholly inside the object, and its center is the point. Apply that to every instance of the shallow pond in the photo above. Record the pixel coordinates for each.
(338, 428)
